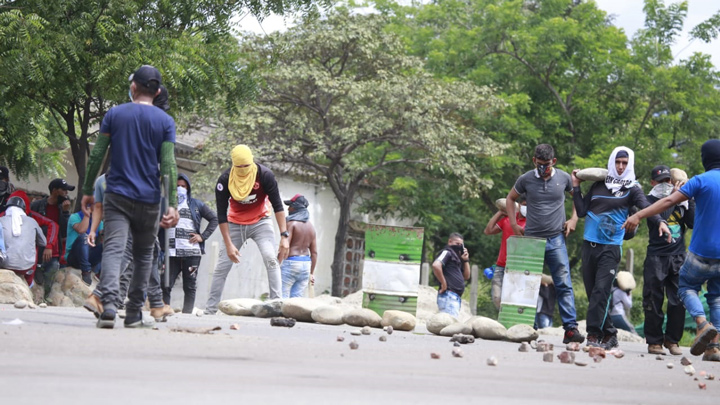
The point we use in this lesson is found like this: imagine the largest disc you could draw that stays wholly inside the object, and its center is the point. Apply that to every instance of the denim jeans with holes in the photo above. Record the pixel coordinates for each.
(449, 303)
(694, 272)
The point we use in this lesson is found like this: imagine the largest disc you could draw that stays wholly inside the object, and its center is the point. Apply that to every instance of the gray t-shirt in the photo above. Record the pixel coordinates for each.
(21, 250)
(545, 202)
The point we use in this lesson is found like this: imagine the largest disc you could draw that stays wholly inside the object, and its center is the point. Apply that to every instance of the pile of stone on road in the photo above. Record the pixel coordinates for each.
(323, 309)
(623, 335)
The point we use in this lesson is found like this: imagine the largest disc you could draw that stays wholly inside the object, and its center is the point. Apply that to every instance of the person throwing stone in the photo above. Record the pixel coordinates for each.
(241, 194)
(702, 263)
(605, 207)
(544, 189)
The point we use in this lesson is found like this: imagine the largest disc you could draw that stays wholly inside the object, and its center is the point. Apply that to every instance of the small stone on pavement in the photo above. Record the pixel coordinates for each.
(235, 326)
(689, 370)
(670, 365)
(354, 345)
(383, 338)
(685, 361)
(492, 361)
(548, 357)
(365, 330)
(457, 352)
(434, 356)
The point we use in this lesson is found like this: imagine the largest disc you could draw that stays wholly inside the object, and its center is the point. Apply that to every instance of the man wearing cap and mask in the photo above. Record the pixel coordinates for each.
(242, 194)
(702, 263)
(56, 207)
(142, 138)
(299, 268)
(544, 190)
(662, 267)
(605, 207)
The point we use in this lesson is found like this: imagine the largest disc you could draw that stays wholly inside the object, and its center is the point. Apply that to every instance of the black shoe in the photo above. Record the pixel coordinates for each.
(573, 335)
(610, 342)
(135, 320)
(106, 320)
(87, 278)
(593, 341)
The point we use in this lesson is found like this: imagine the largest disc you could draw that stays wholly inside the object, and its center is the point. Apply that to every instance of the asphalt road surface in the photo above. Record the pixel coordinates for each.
(57, 356)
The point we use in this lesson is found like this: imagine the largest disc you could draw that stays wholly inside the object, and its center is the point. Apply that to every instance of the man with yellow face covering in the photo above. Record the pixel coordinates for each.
(244, 194)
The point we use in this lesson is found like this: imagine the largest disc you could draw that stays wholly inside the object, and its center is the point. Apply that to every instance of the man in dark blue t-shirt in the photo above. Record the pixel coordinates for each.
(452, 268)
(142, 137)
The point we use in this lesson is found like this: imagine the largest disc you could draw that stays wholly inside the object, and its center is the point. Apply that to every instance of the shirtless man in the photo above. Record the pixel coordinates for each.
(299, 267)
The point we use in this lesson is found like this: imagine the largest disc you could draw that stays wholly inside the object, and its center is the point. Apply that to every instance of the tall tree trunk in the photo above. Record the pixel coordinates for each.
(340, 242)
(79, 151)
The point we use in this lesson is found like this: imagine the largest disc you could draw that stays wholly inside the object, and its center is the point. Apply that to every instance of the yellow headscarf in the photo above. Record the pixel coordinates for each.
(242, 179)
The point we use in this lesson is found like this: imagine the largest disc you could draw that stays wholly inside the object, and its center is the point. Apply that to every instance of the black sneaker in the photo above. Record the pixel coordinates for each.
(135, 320)
(610, 342)
(593, 341)
(106, 320)
(573, 335)
(87, 278)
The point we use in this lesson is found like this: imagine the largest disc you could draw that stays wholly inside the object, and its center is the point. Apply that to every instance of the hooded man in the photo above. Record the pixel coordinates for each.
(242, 194)
(21, 235)
(702, 263)
(299, 267)
(662, 267)
(51, 234)
(606, 206)
(187, 243)
(451, 268)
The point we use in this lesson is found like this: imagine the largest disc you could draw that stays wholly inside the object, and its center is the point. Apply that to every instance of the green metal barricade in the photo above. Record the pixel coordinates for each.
(521, 282)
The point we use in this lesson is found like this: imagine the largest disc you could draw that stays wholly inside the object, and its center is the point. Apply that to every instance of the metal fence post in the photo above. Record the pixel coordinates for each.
(474, 273)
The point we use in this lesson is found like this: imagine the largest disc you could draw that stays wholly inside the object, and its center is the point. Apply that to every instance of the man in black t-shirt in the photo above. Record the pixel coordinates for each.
(662, 267)
(452, 268)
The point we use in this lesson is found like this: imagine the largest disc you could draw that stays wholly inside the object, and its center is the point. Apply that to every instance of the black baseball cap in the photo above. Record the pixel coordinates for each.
(297, 199)
(4, 173)
(660, 173)
(147, 76)
(60, 183)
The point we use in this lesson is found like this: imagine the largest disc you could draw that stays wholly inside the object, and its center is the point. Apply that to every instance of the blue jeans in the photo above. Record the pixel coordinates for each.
(449, 302)
(556, 258)
(621, 322)
(84, 257)
(543, 321)
(694, 272)
(295, 277)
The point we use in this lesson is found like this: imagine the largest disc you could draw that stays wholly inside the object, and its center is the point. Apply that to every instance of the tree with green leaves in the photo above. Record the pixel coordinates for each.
(341, 101)
(66, 62)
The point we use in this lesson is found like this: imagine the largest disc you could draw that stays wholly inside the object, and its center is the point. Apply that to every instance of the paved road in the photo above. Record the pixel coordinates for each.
(57, 356)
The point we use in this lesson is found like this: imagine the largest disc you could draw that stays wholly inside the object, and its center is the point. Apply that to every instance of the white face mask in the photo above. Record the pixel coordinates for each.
(523, 210)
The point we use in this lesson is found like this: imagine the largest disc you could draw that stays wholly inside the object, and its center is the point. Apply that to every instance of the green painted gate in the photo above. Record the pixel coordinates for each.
(391, 268)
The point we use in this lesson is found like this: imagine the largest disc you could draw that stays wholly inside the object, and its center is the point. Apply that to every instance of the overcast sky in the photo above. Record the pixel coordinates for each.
(628, 15)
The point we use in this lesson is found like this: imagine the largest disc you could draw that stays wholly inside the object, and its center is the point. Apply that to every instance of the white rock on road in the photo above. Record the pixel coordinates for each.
(13, 288)
(399, 320)
(439, 321)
